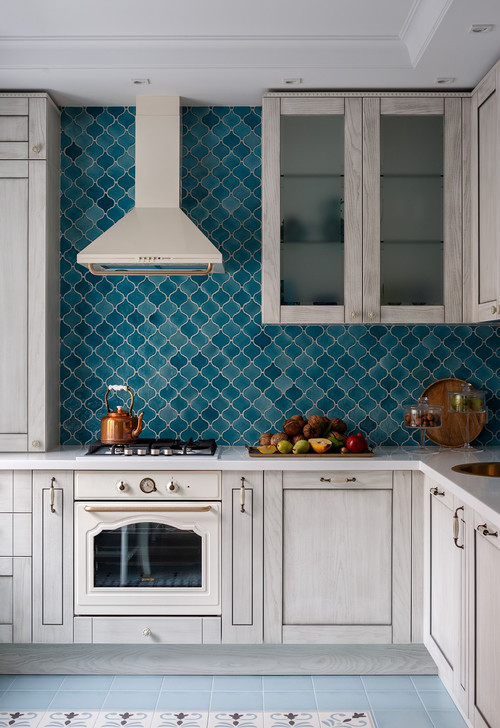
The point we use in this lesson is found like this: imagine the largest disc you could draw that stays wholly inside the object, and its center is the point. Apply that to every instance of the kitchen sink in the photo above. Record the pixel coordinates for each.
(490, 470)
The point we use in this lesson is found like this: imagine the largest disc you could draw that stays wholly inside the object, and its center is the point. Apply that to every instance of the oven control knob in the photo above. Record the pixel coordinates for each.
(172, 486)
(147, 485)
(146, 632)
(121, 485)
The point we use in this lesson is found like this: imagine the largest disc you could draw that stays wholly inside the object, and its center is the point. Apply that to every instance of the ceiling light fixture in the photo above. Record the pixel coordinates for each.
(445, 79)
(292, 81)
(484, 28)
(141, 81)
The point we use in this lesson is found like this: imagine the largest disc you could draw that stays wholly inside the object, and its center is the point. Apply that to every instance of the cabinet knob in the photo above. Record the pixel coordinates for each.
(354, 314)
(35, 443)
(146, 632)
(493, 309)
(371, 314)
(36, 149)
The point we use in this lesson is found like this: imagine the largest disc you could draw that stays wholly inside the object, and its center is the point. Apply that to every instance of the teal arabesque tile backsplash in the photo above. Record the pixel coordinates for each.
(193, 349)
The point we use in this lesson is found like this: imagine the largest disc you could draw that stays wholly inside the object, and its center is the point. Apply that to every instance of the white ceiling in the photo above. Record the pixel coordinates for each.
(228, 52)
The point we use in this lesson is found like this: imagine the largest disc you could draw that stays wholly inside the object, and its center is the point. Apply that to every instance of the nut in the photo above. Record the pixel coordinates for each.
(292, 427)
(311, 431)
(338, 436)
(265, 438)
(278, 437)
(338, 425)
(298, 438)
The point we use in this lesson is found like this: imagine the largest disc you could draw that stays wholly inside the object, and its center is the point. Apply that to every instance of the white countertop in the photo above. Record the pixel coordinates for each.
(481, 493)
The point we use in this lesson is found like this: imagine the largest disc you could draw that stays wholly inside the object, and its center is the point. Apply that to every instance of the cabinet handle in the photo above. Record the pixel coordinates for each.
(484, 530)
(337, 480)
(495, 309)
(436, 491)
(456, 527)
(52, 495)
(146, 632)
(242, 495)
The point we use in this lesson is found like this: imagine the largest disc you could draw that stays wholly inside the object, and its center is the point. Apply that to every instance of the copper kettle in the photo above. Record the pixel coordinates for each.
(120, 427)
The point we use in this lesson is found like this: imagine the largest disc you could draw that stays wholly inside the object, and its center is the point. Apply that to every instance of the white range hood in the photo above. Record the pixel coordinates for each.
(156, 237)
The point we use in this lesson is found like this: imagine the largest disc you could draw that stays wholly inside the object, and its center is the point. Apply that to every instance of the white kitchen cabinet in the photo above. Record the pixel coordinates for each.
(242, 557)
(53, 556)
(445, 591)
(482, 270)
(29, 277)
(362, 208)
(337, 557)
(484, 623)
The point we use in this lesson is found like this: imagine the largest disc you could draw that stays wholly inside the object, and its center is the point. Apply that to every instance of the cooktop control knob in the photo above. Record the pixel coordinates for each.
(172, 486)
(147, 485)
(121, 486)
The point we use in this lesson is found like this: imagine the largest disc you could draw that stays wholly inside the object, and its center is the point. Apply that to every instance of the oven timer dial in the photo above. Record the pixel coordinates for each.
(147, 485)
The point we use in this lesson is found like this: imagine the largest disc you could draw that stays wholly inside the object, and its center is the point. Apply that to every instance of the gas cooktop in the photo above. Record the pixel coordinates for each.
(156, 448)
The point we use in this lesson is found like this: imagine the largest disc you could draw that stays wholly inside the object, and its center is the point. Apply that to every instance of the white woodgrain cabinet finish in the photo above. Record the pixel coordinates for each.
(29, 276)
(363, 225)
(242, 557)
(337, 557)
(482, 281)
(485, 623)
(445, 591)
(53, 556)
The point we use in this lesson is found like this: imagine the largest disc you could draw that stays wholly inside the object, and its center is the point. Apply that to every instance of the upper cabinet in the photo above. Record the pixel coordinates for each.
(29, 276)
(362, 208)
(482, 269)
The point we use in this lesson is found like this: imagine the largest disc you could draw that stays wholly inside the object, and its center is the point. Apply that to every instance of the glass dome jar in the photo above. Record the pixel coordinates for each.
(422, 416)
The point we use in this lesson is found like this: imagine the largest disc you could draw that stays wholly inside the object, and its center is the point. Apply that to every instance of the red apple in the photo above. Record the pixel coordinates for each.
(356, 443)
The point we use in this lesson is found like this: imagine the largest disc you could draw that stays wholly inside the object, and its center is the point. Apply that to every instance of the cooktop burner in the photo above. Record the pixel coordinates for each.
(161, 448)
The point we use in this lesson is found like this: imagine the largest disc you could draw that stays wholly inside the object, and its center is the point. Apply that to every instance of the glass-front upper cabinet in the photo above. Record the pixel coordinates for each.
(412, 210)
(312, 211)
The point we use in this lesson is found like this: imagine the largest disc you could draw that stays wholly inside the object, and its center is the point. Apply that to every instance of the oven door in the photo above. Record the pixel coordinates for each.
(154, 558)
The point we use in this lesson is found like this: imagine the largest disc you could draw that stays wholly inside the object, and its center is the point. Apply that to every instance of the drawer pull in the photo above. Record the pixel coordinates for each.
(484, 530)
(456, 528)
(337, 480)
(52, 495)
(242, 495)
(149, 509)
(146, 632)
(436, 491)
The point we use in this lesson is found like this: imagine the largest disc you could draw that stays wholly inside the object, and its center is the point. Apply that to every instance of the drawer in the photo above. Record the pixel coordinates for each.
(338, 479)
(156, 630)
(13, 128)
(187, 484)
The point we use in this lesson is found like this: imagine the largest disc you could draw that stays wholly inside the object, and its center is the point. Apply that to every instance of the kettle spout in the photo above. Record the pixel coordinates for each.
(138, 429)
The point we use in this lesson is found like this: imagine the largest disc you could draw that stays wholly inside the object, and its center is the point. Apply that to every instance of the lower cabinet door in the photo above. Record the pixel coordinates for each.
(486, 627)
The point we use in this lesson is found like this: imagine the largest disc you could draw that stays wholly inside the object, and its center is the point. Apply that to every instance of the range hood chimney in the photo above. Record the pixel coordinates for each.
(155, 237)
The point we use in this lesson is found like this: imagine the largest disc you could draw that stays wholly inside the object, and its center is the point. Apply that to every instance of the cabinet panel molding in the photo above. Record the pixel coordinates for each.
(342, 634)
(401, 558)
(413, 107)
(22, 600)
(371, 209)
(271, 211)
(311, 106)
(453, 250)
(273, 557)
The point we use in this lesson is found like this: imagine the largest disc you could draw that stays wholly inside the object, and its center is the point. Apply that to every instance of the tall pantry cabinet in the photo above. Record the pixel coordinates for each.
(29, 274)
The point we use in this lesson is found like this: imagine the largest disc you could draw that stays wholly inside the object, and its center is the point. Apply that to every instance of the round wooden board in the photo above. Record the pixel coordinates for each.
(452, 430)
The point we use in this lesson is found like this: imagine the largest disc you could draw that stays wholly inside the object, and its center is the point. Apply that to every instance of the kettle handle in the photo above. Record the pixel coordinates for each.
(119, 388)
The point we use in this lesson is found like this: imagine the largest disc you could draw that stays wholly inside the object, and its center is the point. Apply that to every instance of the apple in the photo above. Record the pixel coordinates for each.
(475, 404)
(356, 443)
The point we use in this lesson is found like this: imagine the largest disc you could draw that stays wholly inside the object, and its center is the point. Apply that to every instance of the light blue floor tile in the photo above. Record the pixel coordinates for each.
(427, 682)
(402, 719)
(242, 683)
(337, 682)
(130, 700)
(436, 700)
(447, 719)
(27, 700)
(187, 682)
(75, 700)
(290, 701)
(37, 682)
(87, 682)
(342, 700)
(395, 700)
(6, 681)
(137, 682)
(387, 682)
(283, 683)
(184, 701)
(236, 701)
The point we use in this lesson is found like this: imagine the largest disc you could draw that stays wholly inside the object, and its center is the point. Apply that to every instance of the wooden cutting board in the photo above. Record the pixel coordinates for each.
(452, 430)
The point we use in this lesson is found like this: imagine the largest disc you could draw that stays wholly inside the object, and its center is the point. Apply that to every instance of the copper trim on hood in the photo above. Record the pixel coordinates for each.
(149, 271)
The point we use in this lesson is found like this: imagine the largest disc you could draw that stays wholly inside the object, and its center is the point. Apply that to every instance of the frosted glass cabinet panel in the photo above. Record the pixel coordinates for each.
(411, 202)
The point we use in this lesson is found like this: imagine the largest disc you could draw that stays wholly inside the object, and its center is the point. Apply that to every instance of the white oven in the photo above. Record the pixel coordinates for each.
(147, 543)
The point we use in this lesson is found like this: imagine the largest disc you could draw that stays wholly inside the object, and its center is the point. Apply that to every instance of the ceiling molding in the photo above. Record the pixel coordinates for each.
(422, 23)
(196, 38)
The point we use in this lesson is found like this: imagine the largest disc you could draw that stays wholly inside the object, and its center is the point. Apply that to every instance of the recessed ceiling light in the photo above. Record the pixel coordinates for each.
(446, 79)
(484, 28)
(292, 81)
(141, 81)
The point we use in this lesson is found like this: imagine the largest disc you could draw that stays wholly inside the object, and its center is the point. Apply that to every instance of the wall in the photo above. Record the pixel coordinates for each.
(193, 350)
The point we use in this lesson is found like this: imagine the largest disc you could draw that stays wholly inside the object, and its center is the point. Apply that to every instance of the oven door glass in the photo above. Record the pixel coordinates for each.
(132, 559)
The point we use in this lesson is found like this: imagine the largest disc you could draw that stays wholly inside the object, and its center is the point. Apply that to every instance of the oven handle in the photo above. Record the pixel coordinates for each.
(113, 509)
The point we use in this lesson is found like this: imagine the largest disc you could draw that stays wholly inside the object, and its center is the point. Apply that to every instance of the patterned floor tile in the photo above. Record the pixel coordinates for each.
(353, 719)
(291, 720)
(26, 719)
(111, 719)
(168, 719)
(236, 720)
(69, 719)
